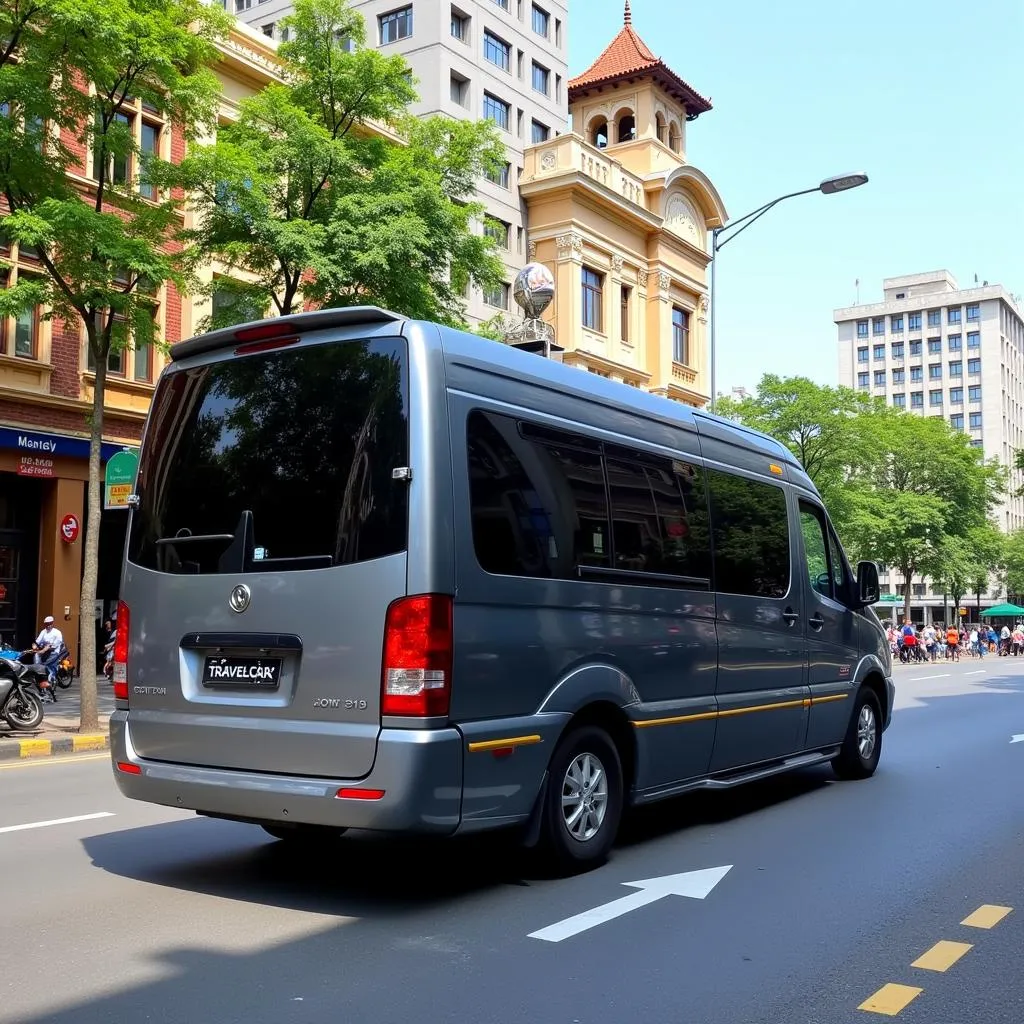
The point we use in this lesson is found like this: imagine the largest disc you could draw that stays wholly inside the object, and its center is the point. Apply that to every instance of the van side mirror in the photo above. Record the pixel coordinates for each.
(867, 584)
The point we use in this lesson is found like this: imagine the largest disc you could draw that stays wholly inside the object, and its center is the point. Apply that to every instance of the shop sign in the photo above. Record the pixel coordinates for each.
(45, 445)
(119, 479)
(69, 529)
(34, 465)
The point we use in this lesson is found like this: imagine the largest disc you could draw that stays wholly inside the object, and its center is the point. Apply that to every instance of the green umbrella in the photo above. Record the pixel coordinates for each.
(1002, 611)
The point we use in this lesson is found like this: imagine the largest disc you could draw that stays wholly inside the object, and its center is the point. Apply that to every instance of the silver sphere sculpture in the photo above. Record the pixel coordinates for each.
(534, 288)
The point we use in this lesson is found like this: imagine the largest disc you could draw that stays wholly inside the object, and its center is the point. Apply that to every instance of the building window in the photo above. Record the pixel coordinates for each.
(896, 324)
(918, 589)
(539, 132)
(862, 328)
(974, 393)
(977, 443)
(460, 26)
(953, 316)
(624, 305)
(956, 368)
(934, 398)
(973, 339)
(974, 365)
(879, 378)
(503, 4)
(956, 421)
(497, 110)
(593, 295)
(899, 401)
(680, 335)
(144, 363)
(915, 347)
(975, 421)
(973, 312)
(395, 25)
(934, 317)
(934, 346)
(916, 374)
(497, 297)
(935, 371)
(916, 399)
(499, 176)
(897, 350)
(878, 325)
(862, 355)
(863, 379)
(914, 322)
(898, 376)
(268, 29)
(558, 33)
(498, 230)
(879, 353)
(541, 79)
(499, 53)
(956, 396)
(954, 342)
(242, 5)
(541, 21)
(459, 89)
(26, 332)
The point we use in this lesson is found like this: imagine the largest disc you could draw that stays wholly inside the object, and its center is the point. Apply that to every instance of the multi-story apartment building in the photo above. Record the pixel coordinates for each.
(939, 350)
(498, 59)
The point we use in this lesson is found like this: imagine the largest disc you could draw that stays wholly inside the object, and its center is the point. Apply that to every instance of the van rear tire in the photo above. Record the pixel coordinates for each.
(295, 834)
(583, 801)
(862, 746)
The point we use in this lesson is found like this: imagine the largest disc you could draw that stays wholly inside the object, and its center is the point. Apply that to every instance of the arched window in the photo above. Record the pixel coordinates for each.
(673, 137)
(599, 132)
(661, 128)
(627, 128)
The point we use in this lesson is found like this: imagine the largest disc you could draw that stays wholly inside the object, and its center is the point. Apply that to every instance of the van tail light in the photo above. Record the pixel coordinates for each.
(120, 665)
(417, 667)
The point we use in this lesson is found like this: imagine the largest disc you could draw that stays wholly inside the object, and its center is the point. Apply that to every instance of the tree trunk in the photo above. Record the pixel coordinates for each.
(89, 717)
(907, 577)
(977, 594)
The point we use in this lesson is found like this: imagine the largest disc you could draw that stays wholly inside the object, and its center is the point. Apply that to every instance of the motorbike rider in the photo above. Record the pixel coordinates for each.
(48, 647)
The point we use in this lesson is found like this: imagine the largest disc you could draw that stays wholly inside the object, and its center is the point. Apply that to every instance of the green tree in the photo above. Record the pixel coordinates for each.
(307, 201)
(985, 551)
(1013, 564)
(952, 569)
(102, 248)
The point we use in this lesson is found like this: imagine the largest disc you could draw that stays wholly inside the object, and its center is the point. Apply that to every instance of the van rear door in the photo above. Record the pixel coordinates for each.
(269, 540)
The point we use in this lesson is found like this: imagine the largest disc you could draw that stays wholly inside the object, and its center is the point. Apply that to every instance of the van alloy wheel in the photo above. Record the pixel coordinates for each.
(862, 745)
(584, 796)
(867, 732)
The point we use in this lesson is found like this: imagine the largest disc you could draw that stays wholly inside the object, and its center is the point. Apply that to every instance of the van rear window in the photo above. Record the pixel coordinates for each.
(278, 461)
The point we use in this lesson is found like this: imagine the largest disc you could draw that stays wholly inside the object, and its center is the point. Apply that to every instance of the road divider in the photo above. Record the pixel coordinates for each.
(56, 821)
(12, 749)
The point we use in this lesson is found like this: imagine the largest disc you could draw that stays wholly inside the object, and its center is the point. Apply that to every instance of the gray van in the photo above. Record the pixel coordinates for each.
(385, 575)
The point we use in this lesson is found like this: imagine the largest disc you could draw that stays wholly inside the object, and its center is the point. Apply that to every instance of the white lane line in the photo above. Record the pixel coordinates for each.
(941, 675)
(57, 821)
(976, 672)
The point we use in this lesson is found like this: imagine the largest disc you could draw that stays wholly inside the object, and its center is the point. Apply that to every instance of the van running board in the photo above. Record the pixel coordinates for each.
(727, 780)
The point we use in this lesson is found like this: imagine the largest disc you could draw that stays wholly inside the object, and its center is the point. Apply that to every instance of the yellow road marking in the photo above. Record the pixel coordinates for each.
(942, 955)
(986, 916)
(41, 762)
(891, 999)
(512, 741)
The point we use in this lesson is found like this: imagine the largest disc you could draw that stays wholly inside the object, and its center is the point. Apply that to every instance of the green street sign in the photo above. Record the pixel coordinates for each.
(119, 479)
(890, 599)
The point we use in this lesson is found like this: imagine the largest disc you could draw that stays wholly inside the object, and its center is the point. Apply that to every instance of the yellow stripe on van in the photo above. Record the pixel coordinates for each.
(512, 741)
(704, 716)
(826, 700)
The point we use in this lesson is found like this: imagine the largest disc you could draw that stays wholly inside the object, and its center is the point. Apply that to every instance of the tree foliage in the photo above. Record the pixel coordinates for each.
(305, 199)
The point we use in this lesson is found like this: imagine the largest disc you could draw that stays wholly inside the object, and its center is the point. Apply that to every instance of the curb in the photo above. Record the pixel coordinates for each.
(18, 749)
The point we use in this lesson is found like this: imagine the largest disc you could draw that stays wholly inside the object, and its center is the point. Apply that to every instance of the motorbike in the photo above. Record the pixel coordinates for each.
(36, 675)
(20, 704)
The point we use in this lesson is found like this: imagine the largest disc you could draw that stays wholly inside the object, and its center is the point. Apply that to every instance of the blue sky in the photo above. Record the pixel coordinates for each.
(923, 96)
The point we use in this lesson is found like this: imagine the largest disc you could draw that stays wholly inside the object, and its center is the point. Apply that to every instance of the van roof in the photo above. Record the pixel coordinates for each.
(462, 344)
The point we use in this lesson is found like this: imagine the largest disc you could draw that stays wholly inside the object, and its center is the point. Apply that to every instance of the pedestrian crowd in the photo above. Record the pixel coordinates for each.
(933, 641)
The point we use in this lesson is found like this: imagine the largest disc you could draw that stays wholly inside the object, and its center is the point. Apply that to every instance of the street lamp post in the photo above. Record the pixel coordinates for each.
(838, 183)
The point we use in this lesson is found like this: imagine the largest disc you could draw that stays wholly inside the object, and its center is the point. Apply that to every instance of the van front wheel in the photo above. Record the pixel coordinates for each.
(583, 801)
(302, 833)
(862, 747)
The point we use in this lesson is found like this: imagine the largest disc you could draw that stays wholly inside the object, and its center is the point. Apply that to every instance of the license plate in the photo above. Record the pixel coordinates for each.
(242, 673)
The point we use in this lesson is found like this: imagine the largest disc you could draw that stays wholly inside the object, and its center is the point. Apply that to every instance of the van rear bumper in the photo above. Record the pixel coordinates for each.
(419, 770)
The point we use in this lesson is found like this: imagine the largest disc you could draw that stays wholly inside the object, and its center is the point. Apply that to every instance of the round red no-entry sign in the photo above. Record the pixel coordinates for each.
(69, 529)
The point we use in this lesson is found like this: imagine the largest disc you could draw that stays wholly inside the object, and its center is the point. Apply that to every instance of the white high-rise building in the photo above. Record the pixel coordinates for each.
(939, 350)
(502, 59)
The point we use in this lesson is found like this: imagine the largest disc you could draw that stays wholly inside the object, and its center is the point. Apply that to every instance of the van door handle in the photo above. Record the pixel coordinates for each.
(816, 622)
(790, 616)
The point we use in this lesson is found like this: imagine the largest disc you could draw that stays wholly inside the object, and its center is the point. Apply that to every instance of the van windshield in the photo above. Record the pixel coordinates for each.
(278, 461)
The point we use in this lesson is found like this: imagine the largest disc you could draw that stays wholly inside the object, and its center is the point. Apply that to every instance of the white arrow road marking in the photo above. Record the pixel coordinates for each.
(1019, 738)
(694, 884)
(56, 821)
(976, 672)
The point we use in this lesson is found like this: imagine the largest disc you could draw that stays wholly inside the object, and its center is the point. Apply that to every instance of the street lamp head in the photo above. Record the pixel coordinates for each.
(842, 182)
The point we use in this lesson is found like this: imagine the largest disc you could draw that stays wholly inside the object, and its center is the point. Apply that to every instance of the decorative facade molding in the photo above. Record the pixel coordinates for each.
(681, 218)
(531, 251)
(617, 265)
(664, 281)
(702, 308)
(547, 161)
(569, 246)
(641, 276)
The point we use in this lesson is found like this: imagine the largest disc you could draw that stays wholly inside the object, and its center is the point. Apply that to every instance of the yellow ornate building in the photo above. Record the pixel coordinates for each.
(623, 221)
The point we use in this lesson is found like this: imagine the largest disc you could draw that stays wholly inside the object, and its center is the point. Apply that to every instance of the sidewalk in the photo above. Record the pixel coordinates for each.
(59, 731)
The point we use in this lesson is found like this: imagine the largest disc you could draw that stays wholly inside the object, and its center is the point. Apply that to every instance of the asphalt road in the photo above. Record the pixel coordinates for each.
(834, 891)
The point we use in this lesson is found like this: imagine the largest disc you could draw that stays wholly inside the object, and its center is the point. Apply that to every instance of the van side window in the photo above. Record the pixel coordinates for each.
(840, 580)
(659, 518)
(815, 550)
(750, 534)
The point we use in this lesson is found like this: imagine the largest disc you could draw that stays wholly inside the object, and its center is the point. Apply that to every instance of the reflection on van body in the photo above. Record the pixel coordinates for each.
(481, 590)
